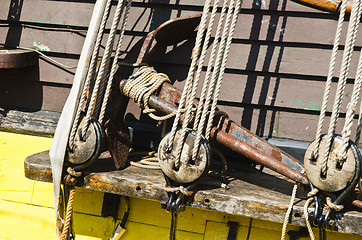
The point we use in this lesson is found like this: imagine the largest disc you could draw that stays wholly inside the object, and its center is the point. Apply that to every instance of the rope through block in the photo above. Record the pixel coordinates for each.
(341, 151)
(95, 87)
(212, 82)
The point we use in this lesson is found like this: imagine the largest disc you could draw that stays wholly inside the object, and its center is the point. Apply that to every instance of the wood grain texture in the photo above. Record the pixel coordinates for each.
(277, 66)
(251, 193)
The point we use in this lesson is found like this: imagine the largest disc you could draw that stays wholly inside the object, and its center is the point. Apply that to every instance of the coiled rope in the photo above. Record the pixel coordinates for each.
(141, 85)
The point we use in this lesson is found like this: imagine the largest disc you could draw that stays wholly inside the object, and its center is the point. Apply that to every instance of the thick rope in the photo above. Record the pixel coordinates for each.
(306, 217)
(347, 55)
(332, 205)
(219, 69)
(341, 152)
(191, 95)
(149, 160)
(359, 126)
(189, 79)
(91, 71)
(208, 85)
(115, 64)
(104, 65)
(68, 215)
(211, 58)
(191, 86)
(230, 33)
(329, 78)
(287, 214)
(141, 85)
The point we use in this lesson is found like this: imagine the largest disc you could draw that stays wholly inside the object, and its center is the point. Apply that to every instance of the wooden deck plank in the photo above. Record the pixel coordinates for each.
(246, 196)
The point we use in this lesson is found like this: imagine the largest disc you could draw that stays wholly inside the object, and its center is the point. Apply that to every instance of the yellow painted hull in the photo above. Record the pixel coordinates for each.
(26, 208)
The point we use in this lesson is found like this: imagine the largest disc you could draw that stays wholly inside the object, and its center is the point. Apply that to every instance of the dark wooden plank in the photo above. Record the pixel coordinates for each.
(40, 122)
(251, 193)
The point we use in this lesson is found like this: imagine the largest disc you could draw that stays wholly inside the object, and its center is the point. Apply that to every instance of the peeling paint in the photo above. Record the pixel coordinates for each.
(310, 106)
(41, 47)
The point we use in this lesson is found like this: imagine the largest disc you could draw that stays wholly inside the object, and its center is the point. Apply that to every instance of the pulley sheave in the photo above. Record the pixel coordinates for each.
(338, 174)
(187, 170)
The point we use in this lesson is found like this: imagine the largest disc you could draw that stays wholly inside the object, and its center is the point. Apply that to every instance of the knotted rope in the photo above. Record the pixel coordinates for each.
(141, 85)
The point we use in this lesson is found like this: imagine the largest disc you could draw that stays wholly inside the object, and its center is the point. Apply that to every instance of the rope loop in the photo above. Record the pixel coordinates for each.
(332, 205)
(306, 216)
(182, 189)
(141, 85)
(73, 173)
(313, 192)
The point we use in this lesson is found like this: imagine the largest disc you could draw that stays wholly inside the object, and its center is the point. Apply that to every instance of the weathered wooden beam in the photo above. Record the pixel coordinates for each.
(38, 122)
(251, 193)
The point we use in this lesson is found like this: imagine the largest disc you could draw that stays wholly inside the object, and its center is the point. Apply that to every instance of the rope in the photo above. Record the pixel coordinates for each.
(141, 85)
(211, 86)
(90, 75)
(306, 216)
(341, 152)
(150, 161)
(46, 57)
(230, 33)
(73, 173)
(191, 96)
(99, 83)
(208, 87)
(333, 205)
(115, 64)
(211, 60)
(189, 79)
(182, 189)
(347, 55)
(68, 215)
(330, 77)
(290, 208)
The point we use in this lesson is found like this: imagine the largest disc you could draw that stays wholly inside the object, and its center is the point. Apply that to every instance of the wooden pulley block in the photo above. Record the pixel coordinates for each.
(84, 146)
(188, 170)
(338, 176)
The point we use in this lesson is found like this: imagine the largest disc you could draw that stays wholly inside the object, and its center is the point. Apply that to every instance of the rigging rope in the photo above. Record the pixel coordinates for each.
(330, 77)
(347, 56)
(306, 217)
(341, 151)
(212, 82)
(90, 74)
(114, 65)
(68, 215)
(94, 86)
(101, 77)
(290, 208)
